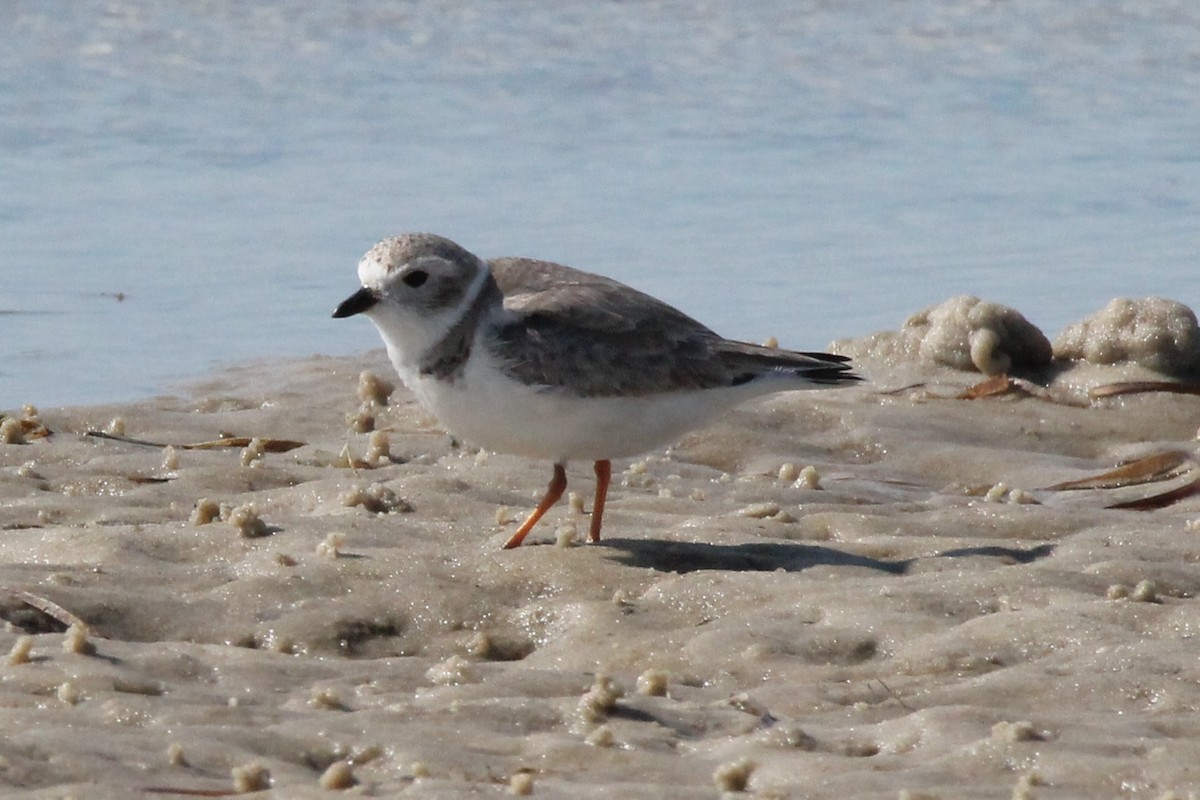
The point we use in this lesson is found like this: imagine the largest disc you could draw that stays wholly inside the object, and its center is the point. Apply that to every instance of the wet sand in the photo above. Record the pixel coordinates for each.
(917, 616)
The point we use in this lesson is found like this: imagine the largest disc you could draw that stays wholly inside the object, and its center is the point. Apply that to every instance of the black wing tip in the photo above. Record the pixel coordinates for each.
(833, 358)
(837, 372)
(833, 376)
(832, 369)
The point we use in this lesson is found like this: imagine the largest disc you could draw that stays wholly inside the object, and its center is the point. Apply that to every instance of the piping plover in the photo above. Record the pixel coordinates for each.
(545, 361)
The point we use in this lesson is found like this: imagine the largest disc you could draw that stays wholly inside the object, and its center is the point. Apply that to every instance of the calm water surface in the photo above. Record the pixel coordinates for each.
(189, 185)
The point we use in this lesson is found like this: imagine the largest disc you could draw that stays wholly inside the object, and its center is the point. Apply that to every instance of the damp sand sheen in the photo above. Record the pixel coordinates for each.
(974, 576)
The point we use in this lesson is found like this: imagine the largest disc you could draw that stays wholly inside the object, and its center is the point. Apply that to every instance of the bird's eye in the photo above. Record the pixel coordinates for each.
(416, 278)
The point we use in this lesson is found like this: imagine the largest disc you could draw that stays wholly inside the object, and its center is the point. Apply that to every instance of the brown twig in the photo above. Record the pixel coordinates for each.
(47, 607)
(1157, 467)
(1138, 387)
(268, 445)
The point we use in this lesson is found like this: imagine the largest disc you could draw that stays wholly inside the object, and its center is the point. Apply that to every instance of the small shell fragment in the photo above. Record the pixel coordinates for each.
(602, 736)
(19, 654)
(1145, 592)
(808, 478)
(454, 671)
(1022, 498)
(653, 683)
(337, 776)
(377, 499)
(566, 535)
(252, 452)
(362, 420)
(373, 389)
(734, 776)
(987, 353)
(325, 699)
(12, 431)
(75, 640)
(252, 777)
(245, 520)
(206, 511)
(759, 510)
(996, 493)
(598, 701)
(331, 546)
(175, 756)
(1014, 731)
(520, 784)
(68, 693)
(379, 447)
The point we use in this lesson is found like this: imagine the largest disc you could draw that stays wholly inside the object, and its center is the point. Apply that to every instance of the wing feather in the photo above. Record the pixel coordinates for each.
(589, 335)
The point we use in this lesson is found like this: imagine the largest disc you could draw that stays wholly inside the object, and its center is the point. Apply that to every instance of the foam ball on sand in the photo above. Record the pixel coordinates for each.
(965, 333)
(1155, 332)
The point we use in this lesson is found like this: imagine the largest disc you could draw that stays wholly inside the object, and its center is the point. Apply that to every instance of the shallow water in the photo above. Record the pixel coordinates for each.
(188, 186)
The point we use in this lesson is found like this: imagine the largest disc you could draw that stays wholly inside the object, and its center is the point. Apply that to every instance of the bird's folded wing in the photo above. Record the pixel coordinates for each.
(589, 335)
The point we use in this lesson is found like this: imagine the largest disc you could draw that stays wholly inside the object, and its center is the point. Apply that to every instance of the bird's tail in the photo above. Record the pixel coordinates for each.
(748, 362)
(830, 368)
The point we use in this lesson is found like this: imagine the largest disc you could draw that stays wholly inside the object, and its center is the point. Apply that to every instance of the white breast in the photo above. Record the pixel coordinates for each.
(485, 407)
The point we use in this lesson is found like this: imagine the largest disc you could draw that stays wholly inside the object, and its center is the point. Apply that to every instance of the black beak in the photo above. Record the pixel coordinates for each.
(356, 303)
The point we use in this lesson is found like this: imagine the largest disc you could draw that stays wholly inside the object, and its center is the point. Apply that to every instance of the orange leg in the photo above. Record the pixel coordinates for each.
(558, 485)
(603, 475)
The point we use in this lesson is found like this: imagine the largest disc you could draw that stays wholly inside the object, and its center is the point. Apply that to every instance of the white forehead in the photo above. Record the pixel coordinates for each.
(379, 261)
(392, 255)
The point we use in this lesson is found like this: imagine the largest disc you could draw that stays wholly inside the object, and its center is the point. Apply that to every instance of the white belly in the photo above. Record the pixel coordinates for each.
(486, 409)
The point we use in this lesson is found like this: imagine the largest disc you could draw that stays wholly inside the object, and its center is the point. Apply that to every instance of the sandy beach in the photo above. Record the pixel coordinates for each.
(887, 591)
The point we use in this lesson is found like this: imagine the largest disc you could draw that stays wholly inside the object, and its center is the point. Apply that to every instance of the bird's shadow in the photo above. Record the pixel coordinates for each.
(682, 557)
